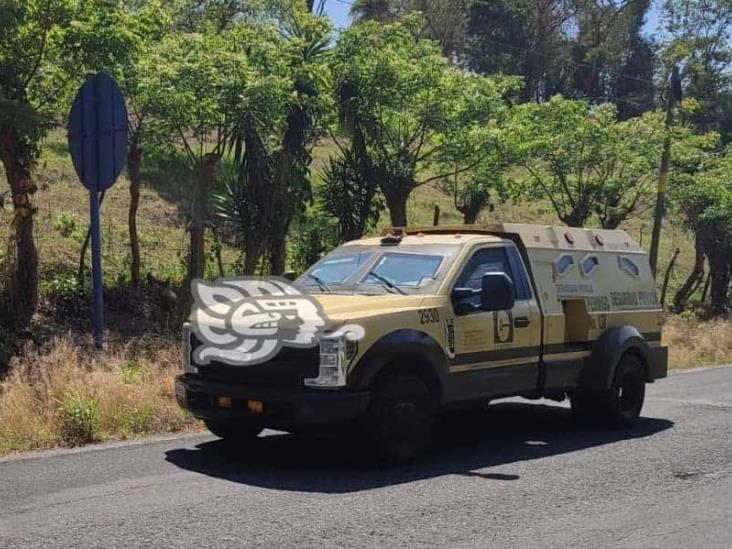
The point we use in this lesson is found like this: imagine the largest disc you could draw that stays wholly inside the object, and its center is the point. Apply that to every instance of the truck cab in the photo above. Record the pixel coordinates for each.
(451, 316)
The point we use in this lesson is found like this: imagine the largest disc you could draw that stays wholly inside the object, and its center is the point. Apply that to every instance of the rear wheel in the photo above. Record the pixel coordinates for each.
(400, 418)
(234, 432)
(621, 404)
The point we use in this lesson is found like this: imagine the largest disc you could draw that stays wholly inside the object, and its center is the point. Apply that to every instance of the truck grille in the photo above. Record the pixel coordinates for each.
(288, 368)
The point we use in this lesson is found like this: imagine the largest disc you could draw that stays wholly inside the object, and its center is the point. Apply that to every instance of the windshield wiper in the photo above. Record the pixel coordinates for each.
(388, 283)
(319, 281)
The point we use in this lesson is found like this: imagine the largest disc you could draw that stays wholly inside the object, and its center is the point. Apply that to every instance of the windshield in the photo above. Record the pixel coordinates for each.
(403, 269)
(335, 269)
(379, 269)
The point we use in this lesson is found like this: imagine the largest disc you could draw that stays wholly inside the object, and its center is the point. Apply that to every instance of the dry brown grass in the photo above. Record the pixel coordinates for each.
(693, 343)
(66, 394)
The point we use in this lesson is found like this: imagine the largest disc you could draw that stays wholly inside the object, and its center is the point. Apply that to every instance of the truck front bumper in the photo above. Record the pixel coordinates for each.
(276, 407)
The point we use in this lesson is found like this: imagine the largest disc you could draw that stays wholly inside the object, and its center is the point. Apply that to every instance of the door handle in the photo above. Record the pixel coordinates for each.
(521, 321)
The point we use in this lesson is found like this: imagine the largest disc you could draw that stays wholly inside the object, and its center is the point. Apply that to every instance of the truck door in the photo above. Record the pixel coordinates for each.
(496, 352)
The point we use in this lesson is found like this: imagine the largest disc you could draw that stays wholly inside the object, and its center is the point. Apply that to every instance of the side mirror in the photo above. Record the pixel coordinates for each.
(289, 275)
(496, 292)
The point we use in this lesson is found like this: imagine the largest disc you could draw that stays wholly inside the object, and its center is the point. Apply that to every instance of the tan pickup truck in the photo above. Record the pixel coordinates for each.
(452, 316)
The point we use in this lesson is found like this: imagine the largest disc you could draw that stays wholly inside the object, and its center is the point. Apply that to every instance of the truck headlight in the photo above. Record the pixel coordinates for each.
(186, 349)
(335, 353)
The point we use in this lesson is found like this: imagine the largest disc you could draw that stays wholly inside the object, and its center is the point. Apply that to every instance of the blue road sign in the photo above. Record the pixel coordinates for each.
(98, 132)
(98, 146)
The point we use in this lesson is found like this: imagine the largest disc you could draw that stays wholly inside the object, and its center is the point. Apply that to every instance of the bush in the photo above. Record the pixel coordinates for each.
(132, 372)
(79, 418)
(67, 225)
(314, 235)
(349, 198)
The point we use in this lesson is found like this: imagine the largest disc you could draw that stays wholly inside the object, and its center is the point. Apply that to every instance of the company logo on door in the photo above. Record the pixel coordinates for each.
(502, 326)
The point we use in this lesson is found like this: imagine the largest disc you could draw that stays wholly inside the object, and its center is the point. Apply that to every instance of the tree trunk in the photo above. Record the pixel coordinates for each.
(682, 294)
(667, 276)
(256, 174)
(204, 175)
(575, 218)
(251, 258)
(278, 255)
(134, 159)
(396, 200)
(285, 194)
(473, 206)
(23, 283)
(717, 247)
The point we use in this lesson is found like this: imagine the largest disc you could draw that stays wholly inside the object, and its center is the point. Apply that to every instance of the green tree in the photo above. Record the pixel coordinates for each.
(195, 82)
(705, 200)
(286, 105)
(536, 37)
(695, 158)
(497, 37)
(349, 196)
(45, 48)
(493, 142)
(407, 110)
(152, 22)
(383, 11)
(701, 42)
(148, 22)
(482, 186)
(614, 61)
(443, 22)
(591, 49)
(583, 161)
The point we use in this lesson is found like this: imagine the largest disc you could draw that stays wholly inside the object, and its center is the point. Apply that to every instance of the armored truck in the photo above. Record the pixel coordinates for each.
(450, 316)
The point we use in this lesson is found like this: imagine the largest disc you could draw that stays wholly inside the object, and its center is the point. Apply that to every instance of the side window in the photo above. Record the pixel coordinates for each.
(494, 260)
(563, 264)
(590, 264)
(627, 265)
(487, 260)
(518, 273)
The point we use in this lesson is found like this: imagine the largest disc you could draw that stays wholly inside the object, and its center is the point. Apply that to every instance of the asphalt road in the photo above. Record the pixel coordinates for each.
(522, 475)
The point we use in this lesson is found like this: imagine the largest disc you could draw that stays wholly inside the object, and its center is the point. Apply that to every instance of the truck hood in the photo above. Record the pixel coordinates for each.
(338, 309)
(349, 307)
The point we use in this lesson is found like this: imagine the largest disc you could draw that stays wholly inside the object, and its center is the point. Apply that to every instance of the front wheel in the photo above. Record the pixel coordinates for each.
(620, 405)
(400, 418)
(233, 432)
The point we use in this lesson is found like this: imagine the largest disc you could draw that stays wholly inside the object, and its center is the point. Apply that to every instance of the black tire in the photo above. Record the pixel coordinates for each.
(233, 432)
(619, 406)
(400, 418)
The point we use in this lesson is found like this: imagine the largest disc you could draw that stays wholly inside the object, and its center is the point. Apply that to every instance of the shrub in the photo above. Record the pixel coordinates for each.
(66, 224)
(132, 372)
(79, 418)
(314, 235)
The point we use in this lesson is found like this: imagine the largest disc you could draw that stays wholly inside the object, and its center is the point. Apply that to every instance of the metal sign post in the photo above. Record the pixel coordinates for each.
(98, 147)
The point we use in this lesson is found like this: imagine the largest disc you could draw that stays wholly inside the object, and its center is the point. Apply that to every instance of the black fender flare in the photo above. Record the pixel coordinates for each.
(408, 347)
(599, 369)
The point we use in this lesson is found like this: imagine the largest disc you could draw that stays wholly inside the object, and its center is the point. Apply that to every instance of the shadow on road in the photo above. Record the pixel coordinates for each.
(507, 433)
